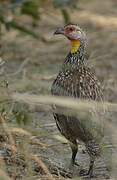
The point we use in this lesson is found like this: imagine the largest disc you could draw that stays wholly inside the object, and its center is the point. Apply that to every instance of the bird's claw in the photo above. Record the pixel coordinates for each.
(76, 164)
(85, 173)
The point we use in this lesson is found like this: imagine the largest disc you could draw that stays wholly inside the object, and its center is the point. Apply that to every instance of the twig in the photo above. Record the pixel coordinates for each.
(20, 68)
(3, 175)
(11, 141)
(43, 166)
(62, 102)
(6, 129)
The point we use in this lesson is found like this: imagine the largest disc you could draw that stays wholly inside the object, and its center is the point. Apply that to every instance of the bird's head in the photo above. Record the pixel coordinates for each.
(74, 33)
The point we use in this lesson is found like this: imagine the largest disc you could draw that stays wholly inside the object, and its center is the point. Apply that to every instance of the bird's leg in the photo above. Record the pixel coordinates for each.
(74, 148)
(90, 171)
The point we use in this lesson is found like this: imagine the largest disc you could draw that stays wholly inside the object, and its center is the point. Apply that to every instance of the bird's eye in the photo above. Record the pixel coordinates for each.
(71, 29)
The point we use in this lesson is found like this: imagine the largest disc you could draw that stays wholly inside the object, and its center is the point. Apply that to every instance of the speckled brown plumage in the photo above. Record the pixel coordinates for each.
(77, 80)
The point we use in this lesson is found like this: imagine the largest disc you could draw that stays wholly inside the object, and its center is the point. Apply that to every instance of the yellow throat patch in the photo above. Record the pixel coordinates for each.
(75, 44)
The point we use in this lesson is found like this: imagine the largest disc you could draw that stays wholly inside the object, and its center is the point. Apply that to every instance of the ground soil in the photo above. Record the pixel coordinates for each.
(31, 66)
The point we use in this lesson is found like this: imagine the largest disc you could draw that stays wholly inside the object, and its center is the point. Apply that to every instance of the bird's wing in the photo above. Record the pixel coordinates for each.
(80, 83)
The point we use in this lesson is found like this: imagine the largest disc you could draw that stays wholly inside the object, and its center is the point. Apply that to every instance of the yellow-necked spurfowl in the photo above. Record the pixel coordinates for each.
(76, 80)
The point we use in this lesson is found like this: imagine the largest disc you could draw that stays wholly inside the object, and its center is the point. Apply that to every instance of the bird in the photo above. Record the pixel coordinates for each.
(75, 79)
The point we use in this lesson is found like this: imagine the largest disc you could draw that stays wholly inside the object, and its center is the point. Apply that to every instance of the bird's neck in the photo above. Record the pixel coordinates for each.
(76, 54)
(75, 44)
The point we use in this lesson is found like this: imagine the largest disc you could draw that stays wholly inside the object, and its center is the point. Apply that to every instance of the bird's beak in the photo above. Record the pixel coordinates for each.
(59, 30)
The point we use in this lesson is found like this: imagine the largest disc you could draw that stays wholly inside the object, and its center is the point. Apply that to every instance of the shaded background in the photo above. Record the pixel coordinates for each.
(31, 57)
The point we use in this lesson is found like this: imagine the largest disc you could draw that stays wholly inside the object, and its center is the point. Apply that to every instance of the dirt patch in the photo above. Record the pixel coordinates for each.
(31, 65)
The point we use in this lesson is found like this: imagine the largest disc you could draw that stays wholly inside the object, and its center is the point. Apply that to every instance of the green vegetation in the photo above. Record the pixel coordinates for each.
(30, 56)
(32, 8)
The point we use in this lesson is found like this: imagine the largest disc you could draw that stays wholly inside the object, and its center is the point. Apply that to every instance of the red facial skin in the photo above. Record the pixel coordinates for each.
(69, 30)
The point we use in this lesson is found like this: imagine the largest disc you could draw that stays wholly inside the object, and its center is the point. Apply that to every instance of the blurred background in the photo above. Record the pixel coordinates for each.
(30, 58)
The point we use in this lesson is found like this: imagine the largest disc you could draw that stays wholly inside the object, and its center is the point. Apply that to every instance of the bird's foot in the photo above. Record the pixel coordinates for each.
(72, 164)
(76, 164)
(73, 168)
(83, 151)
(85, 173)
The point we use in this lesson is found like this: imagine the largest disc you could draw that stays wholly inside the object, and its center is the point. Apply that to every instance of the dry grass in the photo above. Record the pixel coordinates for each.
(30, 67)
